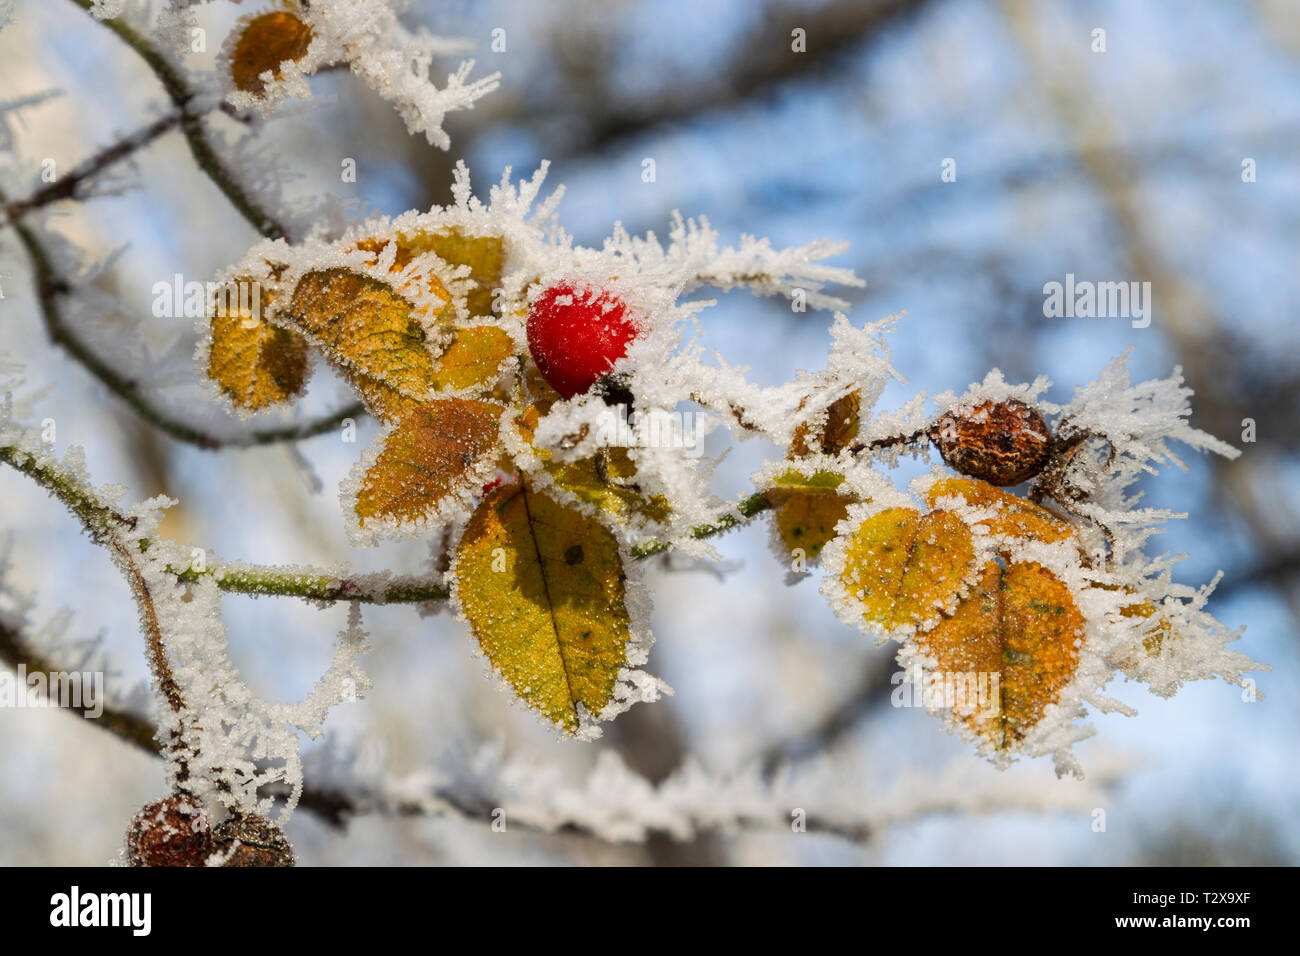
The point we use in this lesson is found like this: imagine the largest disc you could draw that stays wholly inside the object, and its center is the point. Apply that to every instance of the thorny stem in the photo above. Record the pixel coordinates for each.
(191, 123)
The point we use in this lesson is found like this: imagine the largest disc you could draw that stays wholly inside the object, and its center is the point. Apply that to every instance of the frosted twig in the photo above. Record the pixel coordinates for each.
(67, 187)
(617, 805)
(191, 125)
(15, 651)
(50, 286)
(106, 527)
(318, 585)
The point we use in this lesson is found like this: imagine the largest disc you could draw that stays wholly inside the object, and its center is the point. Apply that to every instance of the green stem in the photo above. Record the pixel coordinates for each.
(318, 585)
(310, 584)
(746, 509)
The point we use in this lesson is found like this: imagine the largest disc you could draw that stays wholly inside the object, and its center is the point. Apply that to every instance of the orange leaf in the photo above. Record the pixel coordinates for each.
(1016, 635)
(370, 331)
(485, 256)
(830, 437)
(1014, 517)
(440, 453)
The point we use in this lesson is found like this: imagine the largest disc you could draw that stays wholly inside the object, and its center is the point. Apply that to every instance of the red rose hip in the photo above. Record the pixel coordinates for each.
(576, 333)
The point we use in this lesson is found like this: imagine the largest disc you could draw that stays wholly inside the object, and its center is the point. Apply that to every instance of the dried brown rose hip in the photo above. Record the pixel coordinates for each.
(1003, 443)
(255, 841)
(170, 832)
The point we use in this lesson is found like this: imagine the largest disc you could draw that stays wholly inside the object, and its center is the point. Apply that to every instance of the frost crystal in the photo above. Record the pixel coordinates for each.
(392, 60)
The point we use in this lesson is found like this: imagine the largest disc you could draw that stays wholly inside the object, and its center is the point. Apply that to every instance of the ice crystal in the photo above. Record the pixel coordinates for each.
(389, 58)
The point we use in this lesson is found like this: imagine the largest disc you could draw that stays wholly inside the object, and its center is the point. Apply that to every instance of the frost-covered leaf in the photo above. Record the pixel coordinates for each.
(1157, 634)
(1017, 632)
(544, 590)
(606, 481)
(431, 459)
(1001, 512)
(834, 433)
(807, 508)
(899, 567)
(255, 364)
(473, 358)
(484, 255)
(302, 38)
(372, 333)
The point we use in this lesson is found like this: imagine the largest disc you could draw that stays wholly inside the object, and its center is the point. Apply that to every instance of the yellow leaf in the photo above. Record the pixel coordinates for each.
(543, 589)
(807, 509)
(1014, 517)
(607, 481)
(1015, 637)
(900, 566)
(485, 256)
(256, 365)
(793, 483)
(370, 331)
(266, 41)
(473, 358)
(437, 454)
(808, 522)
(840, 428)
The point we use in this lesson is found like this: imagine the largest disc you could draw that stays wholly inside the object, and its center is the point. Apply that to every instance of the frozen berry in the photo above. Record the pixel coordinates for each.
(250, 840)
(576, 333)
(170, 832)
(1003, 443)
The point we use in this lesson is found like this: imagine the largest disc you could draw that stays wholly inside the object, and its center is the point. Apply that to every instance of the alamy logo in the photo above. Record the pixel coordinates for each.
(970, 693)
(194, 300)
(653, 429)
(83, 691)
(132, 910)
(1102, 300)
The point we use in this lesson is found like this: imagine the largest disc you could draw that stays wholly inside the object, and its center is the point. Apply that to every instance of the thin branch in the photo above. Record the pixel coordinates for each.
(889, 441)
(308, 583)
(335, 807)
(132, 728)
(191, 124)
(763, 62)
(50, 286)
(314, 585)
(106, 526)
(67, 187)
(746, 509)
